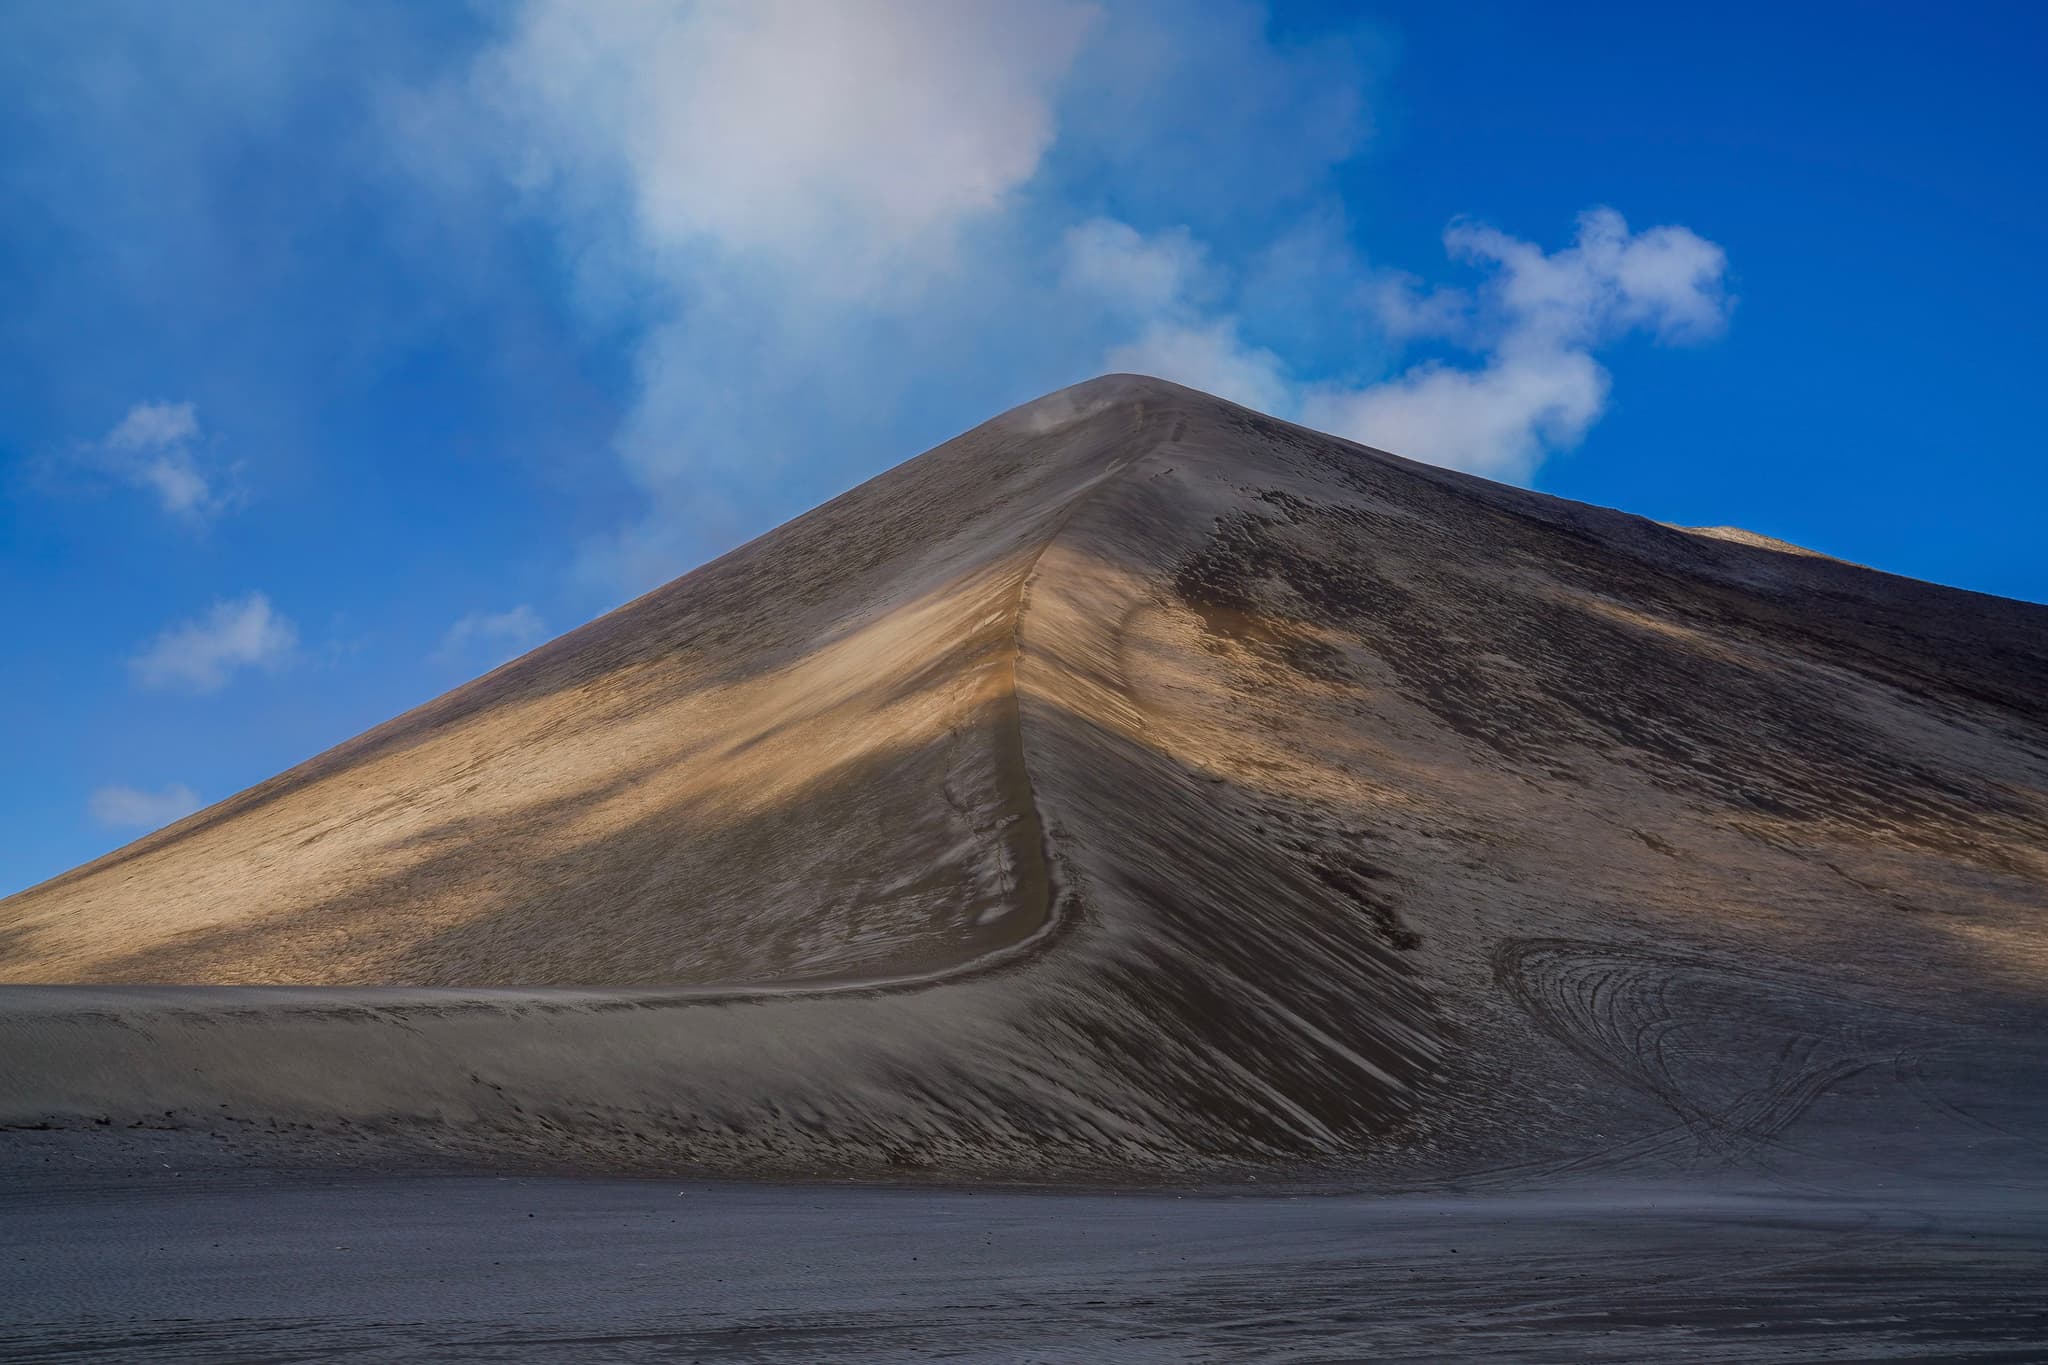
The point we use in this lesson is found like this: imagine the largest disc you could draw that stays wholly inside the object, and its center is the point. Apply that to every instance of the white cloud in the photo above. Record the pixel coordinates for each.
(780, 200)
(1160, 281)
(490, 638)
(846, 141)
(1540, 316)
(811, 219)
(120, 807)
(1666, 280)
(1209, 356)
(152, 426)
(798, 213)
(202, 654)
(1498, 420)
(1115, 264)
(155, 448)
(1405, 308)
(180, 489)
(1536, 320)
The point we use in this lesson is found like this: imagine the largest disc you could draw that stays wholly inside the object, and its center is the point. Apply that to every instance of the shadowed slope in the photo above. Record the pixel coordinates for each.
(1185, 787)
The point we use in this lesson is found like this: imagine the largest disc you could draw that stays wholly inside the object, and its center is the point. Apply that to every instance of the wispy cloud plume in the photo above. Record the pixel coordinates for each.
(801, 215)
(1117, 266)
(755, 185)
(201, 655)
(845, 141)
(488, 638)
(119, 807)
(812, 217)
(155, 426)
(1163, 281)
(156, 448)
(1210, 356)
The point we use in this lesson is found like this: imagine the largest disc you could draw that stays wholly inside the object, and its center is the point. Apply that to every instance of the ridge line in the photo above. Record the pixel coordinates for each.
(1055, 911)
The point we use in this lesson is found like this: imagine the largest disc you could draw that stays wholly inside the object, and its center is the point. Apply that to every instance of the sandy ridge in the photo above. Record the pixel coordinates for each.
(1038, 889)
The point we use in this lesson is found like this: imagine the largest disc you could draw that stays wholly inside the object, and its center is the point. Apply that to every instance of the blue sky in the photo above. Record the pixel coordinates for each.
(349, 349)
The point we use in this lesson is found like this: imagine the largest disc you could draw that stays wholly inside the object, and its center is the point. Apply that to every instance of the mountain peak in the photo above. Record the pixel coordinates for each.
(1134, 779)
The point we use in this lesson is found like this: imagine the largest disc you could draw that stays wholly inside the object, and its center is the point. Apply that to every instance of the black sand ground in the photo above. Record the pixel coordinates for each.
(480, 1268)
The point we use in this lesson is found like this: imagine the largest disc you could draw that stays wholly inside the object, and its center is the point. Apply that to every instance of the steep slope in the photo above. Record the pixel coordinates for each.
(798, 761)
(1135, 782)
